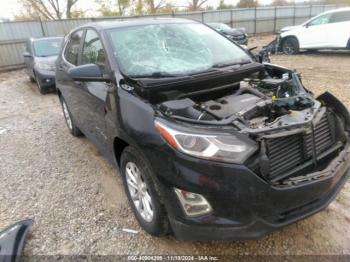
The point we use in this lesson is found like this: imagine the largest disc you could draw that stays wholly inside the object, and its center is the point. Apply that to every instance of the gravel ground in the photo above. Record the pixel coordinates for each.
(76, 197)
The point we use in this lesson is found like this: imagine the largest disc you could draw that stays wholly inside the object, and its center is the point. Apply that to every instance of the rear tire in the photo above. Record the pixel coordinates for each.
(141, 190)
(73, 129)
(290, 46)
(32, 79)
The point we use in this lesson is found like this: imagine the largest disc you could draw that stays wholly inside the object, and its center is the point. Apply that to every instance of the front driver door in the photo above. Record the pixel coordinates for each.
(314, 34)
(94, 94)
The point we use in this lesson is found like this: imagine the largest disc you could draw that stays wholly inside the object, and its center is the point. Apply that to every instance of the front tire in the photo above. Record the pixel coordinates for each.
(73, 129)
(142, 192)
(290, 46)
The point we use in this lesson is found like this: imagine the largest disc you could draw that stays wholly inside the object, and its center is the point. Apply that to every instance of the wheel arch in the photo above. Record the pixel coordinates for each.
(119, 145)
(289, 37)
(348, 44)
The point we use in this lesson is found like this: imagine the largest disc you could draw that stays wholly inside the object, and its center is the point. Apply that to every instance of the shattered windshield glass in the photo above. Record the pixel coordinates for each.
(172, 49)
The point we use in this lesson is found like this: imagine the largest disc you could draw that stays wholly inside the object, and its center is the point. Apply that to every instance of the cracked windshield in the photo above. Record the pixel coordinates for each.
(172, 49)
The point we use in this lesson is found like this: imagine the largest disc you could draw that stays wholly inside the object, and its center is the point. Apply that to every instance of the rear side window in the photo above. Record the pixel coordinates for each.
(93, 52)
(340, 17)
(72, 49)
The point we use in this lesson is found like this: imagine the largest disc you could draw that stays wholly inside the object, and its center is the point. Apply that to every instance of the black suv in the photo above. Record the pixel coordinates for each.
(210, 143)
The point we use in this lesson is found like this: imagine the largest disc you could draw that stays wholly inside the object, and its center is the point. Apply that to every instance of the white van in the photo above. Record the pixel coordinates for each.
(329, 30)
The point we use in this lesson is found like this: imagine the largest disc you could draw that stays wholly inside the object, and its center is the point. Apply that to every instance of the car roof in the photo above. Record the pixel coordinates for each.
(119, 23)
(33, 39)
(337, 10)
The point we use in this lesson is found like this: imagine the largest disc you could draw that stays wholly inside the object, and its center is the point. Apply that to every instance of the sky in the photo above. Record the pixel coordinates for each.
(11, 7)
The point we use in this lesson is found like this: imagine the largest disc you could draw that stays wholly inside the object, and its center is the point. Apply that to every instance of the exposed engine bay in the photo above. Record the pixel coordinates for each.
(295, 133)
(256, 103)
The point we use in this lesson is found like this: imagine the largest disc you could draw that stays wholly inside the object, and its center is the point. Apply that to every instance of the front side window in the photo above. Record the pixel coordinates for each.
(47, 47)
(93, 52)
(322, 20)
(176, 49)
(72, 48)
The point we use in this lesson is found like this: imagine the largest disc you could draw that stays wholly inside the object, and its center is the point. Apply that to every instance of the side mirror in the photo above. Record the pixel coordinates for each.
(27, 54)
(85, 73)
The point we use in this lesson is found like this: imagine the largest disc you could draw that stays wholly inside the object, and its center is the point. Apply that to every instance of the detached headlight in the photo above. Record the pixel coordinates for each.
(44, 66)
(223, 147)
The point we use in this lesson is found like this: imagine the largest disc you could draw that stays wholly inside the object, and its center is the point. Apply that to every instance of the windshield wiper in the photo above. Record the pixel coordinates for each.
(220, 65)
(156, 75)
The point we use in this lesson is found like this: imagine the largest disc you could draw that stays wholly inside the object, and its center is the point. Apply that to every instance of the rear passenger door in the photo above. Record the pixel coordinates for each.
(94, 94)
(314, 34)
(339, 33)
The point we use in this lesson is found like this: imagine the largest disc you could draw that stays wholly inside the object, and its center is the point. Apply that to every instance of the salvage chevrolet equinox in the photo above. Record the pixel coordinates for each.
(210, 143)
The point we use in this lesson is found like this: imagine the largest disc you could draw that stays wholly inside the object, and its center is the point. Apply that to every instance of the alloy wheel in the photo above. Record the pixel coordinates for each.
(139, 191)
(288, 48)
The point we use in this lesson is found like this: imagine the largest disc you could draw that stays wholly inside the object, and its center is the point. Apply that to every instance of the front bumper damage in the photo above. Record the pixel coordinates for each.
(248, 203)
(320, 192)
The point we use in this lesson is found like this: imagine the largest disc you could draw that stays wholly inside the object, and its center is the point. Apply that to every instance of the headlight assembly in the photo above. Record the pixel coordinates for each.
(220, 147)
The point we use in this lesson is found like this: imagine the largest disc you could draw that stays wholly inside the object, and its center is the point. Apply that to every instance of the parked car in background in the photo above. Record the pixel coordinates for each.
(39, 59)
(329, 30)
(236, 34)
(210, 144)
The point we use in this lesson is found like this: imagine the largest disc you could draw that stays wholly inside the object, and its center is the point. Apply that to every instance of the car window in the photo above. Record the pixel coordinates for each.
(47, 47)
(324, 19)
(180, 49)
(72, 49)
(340, 17)
(93, 52)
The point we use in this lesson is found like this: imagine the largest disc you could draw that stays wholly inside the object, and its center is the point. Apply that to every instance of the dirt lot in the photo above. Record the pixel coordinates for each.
(76, 197)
